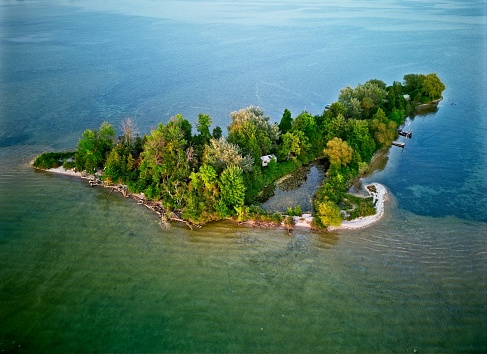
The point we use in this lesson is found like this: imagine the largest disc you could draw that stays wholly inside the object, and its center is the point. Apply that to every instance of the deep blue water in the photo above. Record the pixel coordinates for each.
(65, 69)
(84, 271)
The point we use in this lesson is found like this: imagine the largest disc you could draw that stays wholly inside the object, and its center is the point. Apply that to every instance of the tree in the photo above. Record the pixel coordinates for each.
(413, 82)
(335, 109)
(232, 187)
(304, 126)
(251, 130)
(328, 214)
(106, 138)
(383, 129)
(359, 138)
(305, 123)
(217, 133)
(292, 143)
(220, 154)
(363, 100)
(129, 129)
(165, 167)
(113, 167)
(432, 86)
(334, 123)
(93, 147)
(338, 152)
(203, 127)
(286, 122)
(203, 196)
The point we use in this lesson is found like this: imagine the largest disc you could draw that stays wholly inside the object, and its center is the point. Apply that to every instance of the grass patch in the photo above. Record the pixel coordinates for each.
(358, 206)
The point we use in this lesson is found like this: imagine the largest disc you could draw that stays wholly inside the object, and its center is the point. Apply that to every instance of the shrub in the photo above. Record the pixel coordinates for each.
(296, 211)
(53, 159)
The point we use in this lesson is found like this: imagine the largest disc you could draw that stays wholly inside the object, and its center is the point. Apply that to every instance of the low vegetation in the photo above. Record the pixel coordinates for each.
(55, 159)
(206, 176)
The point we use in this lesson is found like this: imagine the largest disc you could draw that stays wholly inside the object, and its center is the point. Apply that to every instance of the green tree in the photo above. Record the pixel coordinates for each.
(338, 152)
(292, 143)
(203, 127)
(113, 167)
(106, 138)
(165, 167)
(253, 132)
(328, 214)
(217, 133)
(232, 187)
(335, 109)
(305, 122)
(203, 196)
(384, 131)
(93, 147)
(335, 127)
(363, 100)
(359, 139)
(432, 86)
(286, 122)
(413, 82)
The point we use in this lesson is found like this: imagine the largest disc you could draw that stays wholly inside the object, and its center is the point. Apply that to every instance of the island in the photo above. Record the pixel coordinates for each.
(204, 177)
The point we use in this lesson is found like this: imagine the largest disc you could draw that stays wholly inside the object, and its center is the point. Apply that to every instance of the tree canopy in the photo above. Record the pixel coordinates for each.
(94, 147)
(253, 132)
(208, 176)
(338, 152)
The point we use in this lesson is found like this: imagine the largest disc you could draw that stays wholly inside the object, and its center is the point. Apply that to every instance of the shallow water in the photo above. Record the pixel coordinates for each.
(85, 271)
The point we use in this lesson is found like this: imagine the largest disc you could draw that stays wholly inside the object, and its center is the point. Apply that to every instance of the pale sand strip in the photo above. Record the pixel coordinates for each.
(380, 196)
(305, 220)
(60, 170)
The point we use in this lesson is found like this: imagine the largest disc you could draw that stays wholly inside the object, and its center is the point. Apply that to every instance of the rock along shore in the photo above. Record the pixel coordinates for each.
(376, 190)
(379, 195)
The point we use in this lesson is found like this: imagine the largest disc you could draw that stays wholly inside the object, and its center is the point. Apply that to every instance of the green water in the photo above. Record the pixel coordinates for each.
(85, 271)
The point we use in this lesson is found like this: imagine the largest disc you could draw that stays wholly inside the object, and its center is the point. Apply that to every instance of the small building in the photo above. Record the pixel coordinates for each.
(267, 158)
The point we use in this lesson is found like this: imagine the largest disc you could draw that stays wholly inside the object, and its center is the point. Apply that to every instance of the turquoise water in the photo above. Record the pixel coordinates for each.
(85, 271)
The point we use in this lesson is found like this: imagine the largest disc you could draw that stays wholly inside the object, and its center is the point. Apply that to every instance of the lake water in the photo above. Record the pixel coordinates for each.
(85, 271)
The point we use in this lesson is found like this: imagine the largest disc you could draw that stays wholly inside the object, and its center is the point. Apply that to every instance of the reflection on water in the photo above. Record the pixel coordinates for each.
(85, 271)
(102, 276)
(296, 189)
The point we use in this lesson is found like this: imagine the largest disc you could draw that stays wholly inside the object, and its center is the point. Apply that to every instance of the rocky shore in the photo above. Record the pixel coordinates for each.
(376, 190)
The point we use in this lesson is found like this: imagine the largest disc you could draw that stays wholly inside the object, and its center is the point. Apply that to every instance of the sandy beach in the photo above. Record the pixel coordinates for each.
(305, 220)
(60, 170)
(380, 196)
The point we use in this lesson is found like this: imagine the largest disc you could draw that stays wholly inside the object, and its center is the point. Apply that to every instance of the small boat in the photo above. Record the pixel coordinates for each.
(407, 134)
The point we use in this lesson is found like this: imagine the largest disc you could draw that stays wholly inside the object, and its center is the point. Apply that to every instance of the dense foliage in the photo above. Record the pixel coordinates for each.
(54, 160)
(207, 177)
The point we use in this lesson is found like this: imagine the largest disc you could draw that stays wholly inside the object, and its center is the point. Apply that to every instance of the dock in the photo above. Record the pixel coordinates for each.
(407, 134)
(399, 144)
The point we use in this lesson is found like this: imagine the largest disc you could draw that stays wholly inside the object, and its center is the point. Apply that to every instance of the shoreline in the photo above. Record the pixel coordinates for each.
(62, 171)
(379, 198)
(380, 195)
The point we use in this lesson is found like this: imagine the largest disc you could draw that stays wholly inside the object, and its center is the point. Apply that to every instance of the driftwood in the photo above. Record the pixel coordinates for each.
(140, 199)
